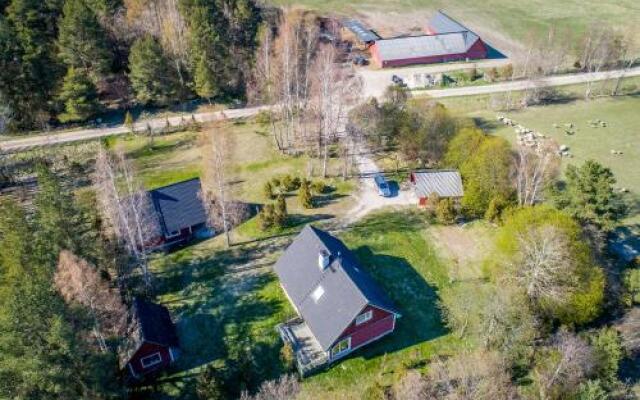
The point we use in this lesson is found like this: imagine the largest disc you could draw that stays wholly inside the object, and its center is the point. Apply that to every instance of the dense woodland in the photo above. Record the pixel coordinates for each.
(62, 60)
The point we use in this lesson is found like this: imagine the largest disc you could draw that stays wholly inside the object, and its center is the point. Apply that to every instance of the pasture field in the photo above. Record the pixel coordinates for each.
(500, 21)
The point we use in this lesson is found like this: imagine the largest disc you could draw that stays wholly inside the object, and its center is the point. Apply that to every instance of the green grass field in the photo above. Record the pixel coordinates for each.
(512, 18)
(212, 292)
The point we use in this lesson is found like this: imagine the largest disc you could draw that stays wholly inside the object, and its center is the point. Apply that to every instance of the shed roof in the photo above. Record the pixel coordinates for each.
(444, 183)
(179, 205)
(328, 300)
(363, 34)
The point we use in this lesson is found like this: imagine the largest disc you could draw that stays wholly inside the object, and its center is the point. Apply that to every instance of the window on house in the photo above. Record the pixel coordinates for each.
(364, 317)
(317, 293)
(172, 234)
(341, 347)
(150, 361)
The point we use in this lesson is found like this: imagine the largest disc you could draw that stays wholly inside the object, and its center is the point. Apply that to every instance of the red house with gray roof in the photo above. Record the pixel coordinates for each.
(340, 308)
(445, 40)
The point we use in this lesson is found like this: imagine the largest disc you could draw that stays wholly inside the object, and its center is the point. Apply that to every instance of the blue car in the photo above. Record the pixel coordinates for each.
(382, 185)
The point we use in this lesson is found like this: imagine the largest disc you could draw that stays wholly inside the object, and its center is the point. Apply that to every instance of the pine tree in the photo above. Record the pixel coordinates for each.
(207, 51)
(204, 79)
(304, 194)
(79, 96)
(82, 40)
(152, 79)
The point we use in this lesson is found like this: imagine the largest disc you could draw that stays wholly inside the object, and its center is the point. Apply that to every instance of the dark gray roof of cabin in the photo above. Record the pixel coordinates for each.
(179, 205)
(155, 323)
(347, 287)
(441, 23)
(362, 33)
(444, 183)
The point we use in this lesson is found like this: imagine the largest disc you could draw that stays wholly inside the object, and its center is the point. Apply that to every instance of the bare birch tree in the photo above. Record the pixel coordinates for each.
(286, 387)
(629, 55)
(599, 47)
(128, 208)
(535, 168)
(223, 212)
(80, 282)
(573, 361)
(335, 90)
(544, 266)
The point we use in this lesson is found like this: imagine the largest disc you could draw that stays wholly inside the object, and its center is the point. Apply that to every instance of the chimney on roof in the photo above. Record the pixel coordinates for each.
(324, 259)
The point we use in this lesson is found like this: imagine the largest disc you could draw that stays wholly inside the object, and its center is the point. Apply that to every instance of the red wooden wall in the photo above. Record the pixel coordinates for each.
(148, 349)
(381, 322)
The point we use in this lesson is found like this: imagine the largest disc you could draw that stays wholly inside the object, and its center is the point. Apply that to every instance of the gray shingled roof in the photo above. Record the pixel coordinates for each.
(451, 38)
(347, 287)
(179, 205)
(444, 183)
(441, 23)
(363, 34)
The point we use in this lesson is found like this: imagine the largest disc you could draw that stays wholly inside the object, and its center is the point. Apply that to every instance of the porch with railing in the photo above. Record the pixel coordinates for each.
(309, 355)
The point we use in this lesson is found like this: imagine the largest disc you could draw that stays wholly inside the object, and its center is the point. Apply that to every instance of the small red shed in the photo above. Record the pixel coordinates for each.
(446, 184)
(152, 343)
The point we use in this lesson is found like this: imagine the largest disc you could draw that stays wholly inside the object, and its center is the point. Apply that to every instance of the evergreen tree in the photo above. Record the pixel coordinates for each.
(207, 51)
(79, 97)
(152, 79)
(304, 194)
(16, 241)
(204, 79)
(589, 195)
(82, 41)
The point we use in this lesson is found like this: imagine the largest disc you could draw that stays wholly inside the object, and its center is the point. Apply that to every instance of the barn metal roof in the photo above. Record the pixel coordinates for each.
(327, 299)
(179, 205)
(421, 46)
(363, 34)
(444, 183)
(441, 24)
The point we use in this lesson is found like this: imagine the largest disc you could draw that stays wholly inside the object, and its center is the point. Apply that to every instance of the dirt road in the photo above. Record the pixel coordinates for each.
(14, 145)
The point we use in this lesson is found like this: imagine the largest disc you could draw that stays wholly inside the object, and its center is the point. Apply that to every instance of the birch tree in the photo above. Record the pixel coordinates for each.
(223, 212)
(535, 168)
(128, 208)
(600, 46)
(80, 282)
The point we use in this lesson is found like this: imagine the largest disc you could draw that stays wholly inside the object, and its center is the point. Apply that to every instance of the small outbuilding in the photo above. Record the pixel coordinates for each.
(152, 344)
(340, 308)
(180, 211)
(446, 184)
(362, 36)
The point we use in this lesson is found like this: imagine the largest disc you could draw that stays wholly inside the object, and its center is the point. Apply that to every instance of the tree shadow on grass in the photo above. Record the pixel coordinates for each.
(159, 148)
(414, 297)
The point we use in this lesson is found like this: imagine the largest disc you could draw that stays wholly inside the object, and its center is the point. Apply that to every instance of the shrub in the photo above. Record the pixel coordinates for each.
(209, 385)
(494, 211)
(275, 182)
(607, 348)
(632, 285)
(304, 195)
(128, 120)
(319, 187)
(264, 118)
(280, 214)
(287, 356)
(266, 217)
(446, 211)
(268, 190)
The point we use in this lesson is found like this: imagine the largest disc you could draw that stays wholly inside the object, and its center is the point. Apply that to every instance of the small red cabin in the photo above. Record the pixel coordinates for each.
(152, 343)
(445, 184)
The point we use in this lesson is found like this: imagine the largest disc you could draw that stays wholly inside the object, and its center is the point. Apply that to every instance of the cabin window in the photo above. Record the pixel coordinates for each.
(172, 234)
(362, 318)
(341, 347)
(150, 361)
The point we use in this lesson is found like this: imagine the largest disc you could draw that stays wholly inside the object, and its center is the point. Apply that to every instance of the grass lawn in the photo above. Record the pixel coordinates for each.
(212, 291)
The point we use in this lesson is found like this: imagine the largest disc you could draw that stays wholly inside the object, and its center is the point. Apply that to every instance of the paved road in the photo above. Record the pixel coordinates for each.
(558, 80)
(14, 145)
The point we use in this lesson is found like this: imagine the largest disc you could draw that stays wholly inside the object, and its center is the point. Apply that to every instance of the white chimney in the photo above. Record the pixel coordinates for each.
(324, 259)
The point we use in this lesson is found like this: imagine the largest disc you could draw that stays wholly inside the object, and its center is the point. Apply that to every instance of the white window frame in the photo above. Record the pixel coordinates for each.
(152, 363)
(335, 353)
(364, 317)
(173, 234)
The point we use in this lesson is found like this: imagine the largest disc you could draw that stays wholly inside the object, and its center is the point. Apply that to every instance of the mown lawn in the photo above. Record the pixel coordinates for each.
(214, 293)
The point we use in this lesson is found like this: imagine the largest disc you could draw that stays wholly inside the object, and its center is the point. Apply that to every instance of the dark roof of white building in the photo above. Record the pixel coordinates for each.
(362, 33)
(327, 299)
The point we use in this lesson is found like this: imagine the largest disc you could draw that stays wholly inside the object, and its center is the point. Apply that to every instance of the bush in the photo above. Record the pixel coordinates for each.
(266, 217)
(494, 211)
(268, 190)
(446, 211)
(280, 214)
(304, 195)
(209, 385)
(319, 187)
(607, 348)
(632, 285)
(288, 357)
(264, 118)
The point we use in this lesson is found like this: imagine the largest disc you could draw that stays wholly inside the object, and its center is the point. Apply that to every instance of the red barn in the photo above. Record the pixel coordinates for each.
(445, 40)
(152, 343)
(340, 308)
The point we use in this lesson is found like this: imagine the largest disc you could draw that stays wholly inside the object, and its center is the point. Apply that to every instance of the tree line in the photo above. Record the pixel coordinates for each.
(60, 60)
